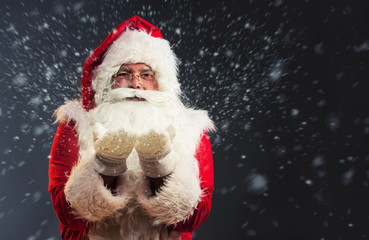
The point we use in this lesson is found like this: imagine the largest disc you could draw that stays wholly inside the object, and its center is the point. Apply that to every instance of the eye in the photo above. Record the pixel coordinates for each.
(124, 75)
(147, 76)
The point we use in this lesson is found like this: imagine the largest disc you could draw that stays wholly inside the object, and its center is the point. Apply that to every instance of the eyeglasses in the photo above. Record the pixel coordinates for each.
(127, 76)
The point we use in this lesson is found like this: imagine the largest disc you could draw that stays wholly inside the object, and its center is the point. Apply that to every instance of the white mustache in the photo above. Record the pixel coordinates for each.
(154, 97)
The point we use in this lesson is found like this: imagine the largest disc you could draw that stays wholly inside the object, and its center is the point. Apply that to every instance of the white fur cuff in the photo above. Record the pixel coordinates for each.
(177, 199)
(156, 168)
(108, 168)
(86, 193)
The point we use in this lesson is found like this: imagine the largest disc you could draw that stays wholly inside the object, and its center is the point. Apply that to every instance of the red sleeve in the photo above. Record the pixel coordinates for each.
(204, 157)
(63, 156)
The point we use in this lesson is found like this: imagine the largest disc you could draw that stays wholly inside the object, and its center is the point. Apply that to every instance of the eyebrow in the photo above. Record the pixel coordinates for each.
(124, 69)
(141, 69)
(145, 69)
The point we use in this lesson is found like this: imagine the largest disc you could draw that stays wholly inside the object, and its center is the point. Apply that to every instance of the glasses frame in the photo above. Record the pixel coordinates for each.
(139, 76)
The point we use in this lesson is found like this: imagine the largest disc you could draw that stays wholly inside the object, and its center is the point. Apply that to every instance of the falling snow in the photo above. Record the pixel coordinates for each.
(284, 81)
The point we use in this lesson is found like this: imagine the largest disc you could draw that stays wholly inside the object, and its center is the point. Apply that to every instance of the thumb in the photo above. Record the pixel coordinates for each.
(171, 131)
(98, 130)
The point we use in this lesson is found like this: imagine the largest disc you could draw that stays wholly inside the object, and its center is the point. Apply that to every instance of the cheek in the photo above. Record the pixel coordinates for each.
(120, 84)
(152, 86)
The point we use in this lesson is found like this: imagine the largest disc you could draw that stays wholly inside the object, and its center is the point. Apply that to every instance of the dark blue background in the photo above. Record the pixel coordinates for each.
(286, 83)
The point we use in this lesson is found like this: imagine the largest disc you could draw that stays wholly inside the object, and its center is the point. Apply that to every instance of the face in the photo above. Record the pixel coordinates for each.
(138, 76)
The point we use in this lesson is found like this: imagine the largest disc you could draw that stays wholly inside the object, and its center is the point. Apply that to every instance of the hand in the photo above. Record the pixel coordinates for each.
(114, 146)
(153, 145)
(112, 150)
(154, 150)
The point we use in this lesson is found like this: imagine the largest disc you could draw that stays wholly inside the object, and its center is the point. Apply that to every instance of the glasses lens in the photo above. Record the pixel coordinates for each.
(124, 76)
(147, 76)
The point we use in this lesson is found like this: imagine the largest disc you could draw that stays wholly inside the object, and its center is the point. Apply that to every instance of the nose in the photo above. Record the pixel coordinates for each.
(136, 82)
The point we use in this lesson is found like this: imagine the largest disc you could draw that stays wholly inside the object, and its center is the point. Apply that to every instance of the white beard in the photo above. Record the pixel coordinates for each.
(159, 111)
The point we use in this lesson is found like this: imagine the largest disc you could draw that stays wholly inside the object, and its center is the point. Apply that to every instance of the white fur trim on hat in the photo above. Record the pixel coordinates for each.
(137, 47)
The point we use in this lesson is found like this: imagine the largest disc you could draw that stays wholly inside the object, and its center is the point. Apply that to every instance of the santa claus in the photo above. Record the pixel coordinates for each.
(130, 161)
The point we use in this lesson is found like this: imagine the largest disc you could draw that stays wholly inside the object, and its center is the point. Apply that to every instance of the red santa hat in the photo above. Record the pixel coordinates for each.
(133, 41)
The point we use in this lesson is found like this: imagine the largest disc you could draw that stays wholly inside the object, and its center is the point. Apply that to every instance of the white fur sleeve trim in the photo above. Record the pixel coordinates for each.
(177, 199)
(87, 195)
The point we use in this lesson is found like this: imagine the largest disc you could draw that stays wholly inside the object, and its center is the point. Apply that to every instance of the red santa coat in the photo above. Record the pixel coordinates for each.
(65, 154)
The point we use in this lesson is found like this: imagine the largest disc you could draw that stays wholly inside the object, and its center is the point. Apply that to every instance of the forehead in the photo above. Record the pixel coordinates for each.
(135, 66)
